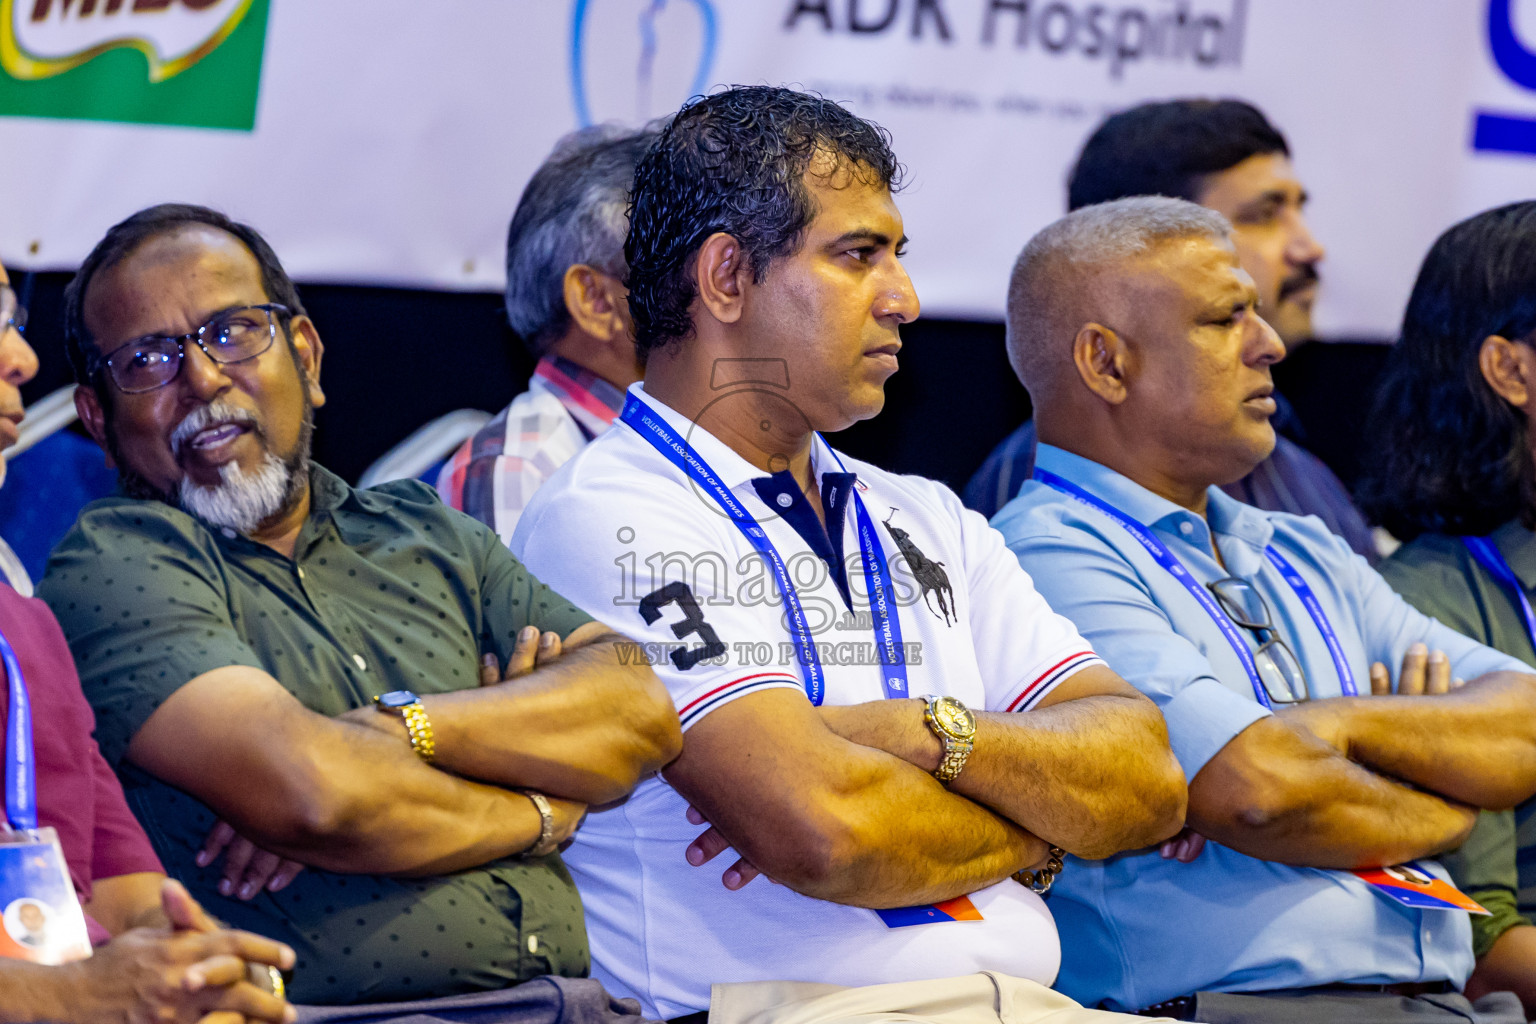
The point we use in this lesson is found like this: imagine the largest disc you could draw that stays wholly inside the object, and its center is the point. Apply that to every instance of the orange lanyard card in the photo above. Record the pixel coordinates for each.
(1412, 886)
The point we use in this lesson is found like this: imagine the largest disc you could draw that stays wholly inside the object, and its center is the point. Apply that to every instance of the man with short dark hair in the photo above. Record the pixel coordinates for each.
(264, 644)
(1225, 155)
(566, 300)
(795, 601)
(1263, 639)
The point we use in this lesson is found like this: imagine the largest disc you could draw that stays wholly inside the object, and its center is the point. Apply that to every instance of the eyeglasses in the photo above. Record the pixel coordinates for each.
(12, 312)
(232, 336)
(1279, 670)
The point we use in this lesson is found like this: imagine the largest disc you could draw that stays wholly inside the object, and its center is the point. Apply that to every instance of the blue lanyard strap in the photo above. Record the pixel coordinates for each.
(883, 609)
(884, 613)
(1175, 568)
(20, 772)
(1490, 558)
(1315, 609)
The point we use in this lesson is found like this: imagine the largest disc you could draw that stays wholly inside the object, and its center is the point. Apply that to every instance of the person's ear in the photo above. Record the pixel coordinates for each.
(596, 302)
(310, 350)
(94, 417)
(1101, 358)
(721, 274)
(1509, 367)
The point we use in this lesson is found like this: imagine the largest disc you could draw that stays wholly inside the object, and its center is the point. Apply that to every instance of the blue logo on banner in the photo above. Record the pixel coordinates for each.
(650, 10)
(1507, 133)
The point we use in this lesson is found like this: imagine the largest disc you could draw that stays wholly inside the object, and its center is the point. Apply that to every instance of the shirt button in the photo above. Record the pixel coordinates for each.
(1186, 527)
(785, 501)
(358, 660)
(301, 572)
(533, 943)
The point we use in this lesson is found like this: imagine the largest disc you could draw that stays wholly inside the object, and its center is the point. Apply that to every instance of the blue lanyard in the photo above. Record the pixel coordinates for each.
(1489, 558)
(20, 772)
(1171, 564)
(884, 613)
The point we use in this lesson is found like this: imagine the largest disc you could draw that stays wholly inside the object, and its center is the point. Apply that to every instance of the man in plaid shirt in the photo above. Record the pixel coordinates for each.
(566, 299)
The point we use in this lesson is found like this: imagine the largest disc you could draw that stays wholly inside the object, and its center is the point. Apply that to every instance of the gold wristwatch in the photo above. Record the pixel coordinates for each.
(406, 705)
(955, 726)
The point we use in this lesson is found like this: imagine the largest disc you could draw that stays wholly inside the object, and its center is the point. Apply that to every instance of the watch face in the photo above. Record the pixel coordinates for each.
(397, 699)
(954, 716)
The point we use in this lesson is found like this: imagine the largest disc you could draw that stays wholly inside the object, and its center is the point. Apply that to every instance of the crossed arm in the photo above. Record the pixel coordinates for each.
(1362, 781)
(1089, 770)
(838, 803)
(603, 724)
(347, 794)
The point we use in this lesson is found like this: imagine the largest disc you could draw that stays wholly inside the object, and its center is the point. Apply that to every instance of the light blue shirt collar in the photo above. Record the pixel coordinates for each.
(1241, 531)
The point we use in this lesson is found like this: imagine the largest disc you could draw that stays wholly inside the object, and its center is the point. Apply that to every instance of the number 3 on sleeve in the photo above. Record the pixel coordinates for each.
(692, 624)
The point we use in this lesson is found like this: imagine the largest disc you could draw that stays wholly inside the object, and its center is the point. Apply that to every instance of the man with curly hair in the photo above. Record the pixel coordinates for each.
(796, 601)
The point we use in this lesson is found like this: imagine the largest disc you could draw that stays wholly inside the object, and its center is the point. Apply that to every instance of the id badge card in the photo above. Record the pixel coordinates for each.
(40, 917)
(958, 909)
(1413, 886)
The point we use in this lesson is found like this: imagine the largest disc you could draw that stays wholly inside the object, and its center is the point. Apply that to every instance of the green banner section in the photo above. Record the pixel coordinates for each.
(217, 90)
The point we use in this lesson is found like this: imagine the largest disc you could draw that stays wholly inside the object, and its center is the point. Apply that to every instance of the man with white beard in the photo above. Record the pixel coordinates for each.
(266, 645)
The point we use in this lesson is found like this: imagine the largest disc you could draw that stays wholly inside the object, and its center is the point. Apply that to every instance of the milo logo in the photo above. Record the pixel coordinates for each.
(185, 62)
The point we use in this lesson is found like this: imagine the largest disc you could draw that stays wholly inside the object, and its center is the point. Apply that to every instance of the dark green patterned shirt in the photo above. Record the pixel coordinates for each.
(388, 589)
(1437, 575)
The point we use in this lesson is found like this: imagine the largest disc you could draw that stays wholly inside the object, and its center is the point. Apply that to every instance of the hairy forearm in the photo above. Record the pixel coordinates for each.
(877, 832)
(1475, 746)
(1092, 775)
(587, 727)
(1286, 796)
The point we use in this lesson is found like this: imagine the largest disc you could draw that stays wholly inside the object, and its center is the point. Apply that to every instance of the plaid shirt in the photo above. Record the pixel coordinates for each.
(495, 472)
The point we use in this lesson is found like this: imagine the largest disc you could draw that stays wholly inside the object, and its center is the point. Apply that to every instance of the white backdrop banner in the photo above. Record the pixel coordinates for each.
(388, 141)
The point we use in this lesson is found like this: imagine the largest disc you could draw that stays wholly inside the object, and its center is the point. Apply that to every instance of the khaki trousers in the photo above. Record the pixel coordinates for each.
(985, 998)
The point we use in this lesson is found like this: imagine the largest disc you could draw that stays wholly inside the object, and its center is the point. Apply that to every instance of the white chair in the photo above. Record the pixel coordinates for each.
(424, 448)
(44, 418)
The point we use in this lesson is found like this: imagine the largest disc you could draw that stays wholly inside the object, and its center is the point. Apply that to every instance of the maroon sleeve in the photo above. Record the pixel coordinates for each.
(120, 847)
(77, 794)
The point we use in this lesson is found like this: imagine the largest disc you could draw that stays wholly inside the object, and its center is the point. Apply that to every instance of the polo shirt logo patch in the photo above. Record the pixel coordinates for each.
(930, 575)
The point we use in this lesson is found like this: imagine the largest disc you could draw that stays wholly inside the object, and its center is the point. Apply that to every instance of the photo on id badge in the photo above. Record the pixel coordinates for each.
(41, 920)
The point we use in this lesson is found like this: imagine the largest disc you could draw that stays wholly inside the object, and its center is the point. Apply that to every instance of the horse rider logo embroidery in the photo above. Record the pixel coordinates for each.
(930, 575)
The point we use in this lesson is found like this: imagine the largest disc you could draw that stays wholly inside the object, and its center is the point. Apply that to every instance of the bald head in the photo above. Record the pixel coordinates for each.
(1064, 278)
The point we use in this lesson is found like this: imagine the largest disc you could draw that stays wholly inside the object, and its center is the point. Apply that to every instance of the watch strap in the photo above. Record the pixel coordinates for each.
(956, 750)
(420, 727)
(955, 754)
(417, 725)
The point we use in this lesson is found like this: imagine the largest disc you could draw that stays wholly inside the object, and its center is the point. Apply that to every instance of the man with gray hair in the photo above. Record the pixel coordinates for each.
(1134, 327)
(566, 299)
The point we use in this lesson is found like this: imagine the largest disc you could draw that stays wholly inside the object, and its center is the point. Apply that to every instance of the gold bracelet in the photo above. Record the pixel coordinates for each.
(420, 728)
(1042, 880)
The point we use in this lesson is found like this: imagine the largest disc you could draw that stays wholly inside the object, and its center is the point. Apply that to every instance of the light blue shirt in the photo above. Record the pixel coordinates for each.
(1137, 929)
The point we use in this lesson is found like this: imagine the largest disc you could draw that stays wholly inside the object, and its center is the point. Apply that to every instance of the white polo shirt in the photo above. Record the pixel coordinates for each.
(620, 522)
